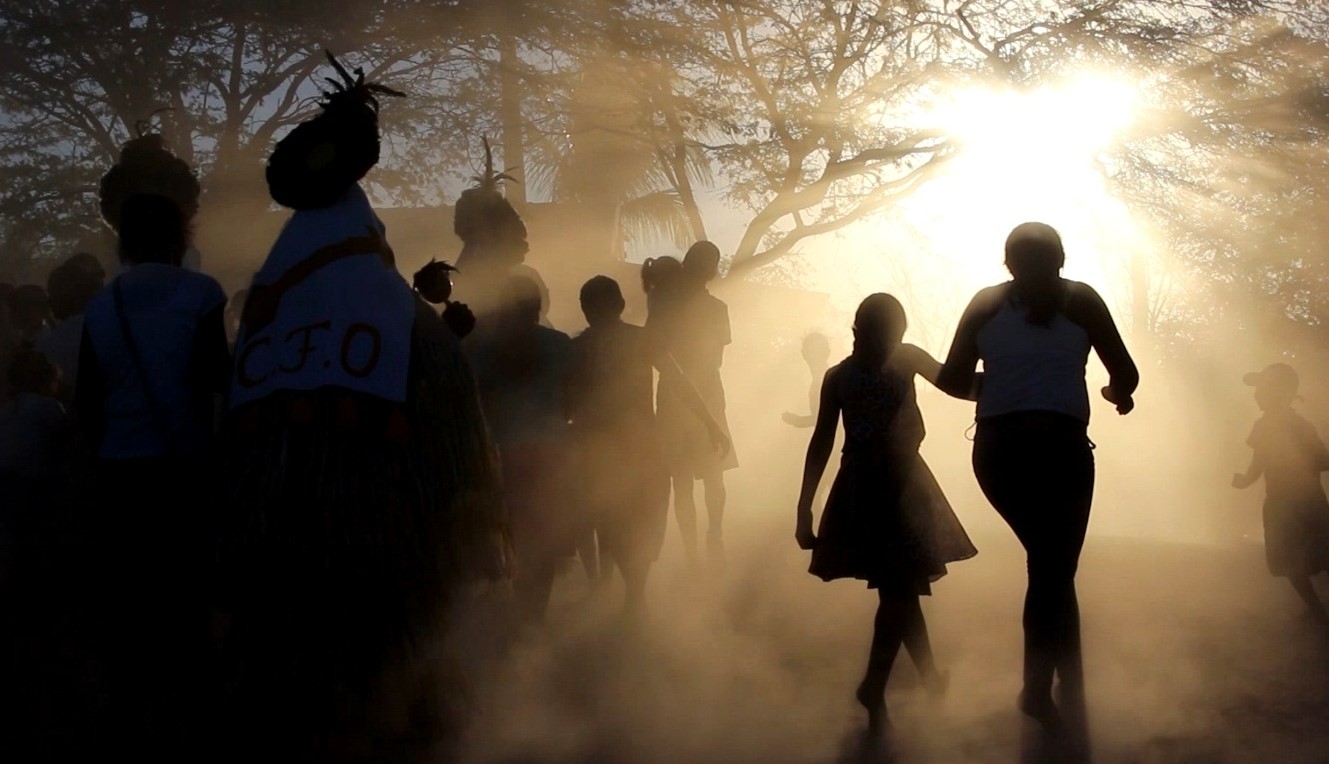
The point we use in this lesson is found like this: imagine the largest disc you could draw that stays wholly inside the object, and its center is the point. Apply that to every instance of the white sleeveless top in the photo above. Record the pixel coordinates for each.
(1031, 367)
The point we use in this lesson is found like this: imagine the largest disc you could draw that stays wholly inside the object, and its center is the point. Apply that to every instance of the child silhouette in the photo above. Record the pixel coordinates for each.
(1290, 456)
(886, 521)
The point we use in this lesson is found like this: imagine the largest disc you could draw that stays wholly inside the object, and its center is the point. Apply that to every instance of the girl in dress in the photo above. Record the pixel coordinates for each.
(886, 521)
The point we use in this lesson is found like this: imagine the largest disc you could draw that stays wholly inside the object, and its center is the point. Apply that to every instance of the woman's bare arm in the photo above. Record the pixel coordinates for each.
(959, 376)
(918, 361)
(1087, 309)
(819, 454)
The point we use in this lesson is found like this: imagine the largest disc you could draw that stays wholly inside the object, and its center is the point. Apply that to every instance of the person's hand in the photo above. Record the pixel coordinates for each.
(459, 319)
(803, 532)
(790, 417)
(1124, 403)
(1241, 480)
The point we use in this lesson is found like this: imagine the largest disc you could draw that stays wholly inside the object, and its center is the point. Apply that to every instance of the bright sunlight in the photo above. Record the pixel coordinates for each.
(1030, 155)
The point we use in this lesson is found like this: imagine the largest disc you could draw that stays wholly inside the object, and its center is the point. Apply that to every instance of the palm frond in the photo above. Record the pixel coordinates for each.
(654, 217)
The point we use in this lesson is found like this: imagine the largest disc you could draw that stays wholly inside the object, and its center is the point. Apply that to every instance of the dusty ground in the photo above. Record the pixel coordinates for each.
(1193, 654)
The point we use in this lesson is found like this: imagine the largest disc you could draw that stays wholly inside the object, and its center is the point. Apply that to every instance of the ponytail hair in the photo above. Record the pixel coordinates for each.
(1034, 256)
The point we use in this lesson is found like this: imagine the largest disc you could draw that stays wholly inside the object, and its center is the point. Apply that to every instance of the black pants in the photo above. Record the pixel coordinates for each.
(1037, 469)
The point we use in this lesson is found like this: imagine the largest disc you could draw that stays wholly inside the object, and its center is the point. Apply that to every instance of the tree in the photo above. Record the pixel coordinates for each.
(1232, 178)
(231, 77)
(816, 112)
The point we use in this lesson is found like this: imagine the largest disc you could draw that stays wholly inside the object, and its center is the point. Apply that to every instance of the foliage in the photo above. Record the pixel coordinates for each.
(809, 115)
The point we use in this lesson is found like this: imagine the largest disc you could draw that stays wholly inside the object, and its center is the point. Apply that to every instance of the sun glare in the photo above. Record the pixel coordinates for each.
(1047, 127)
(1029, 155)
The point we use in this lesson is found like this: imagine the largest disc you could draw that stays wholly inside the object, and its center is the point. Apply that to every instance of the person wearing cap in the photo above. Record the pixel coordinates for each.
(1290, 456)
(1032, 454)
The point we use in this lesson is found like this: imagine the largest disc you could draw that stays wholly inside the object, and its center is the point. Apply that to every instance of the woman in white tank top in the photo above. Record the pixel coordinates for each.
(1032, 455)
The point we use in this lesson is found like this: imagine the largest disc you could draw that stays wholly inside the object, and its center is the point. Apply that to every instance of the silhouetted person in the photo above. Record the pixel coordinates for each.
(520, 367)
(1290, 456)
(70, 287)
(153, 365)
(37, 575)
(886, 522)
(433, 283)
(37, 462)
(494, 244)
(362, 492)
(35, 435)
(1032, 454)
(816, 353)
(625, 482)
(694, 326)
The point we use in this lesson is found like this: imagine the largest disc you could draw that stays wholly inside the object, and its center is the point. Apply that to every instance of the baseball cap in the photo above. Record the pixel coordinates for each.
(1275, 376)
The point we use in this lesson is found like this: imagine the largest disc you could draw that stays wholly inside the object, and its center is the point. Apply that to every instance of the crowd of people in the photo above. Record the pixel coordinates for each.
(263, 509)
(241, 525)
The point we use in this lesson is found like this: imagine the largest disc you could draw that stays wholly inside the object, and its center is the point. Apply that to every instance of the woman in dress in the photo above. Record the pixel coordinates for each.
(886, 521)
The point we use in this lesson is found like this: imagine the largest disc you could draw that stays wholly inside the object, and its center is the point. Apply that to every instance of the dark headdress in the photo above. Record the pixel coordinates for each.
(313, 166)
(147, 166)
(491, 230)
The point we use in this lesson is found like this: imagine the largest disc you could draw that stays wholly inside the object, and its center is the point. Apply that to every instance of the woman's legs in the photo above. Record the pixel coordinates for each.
(899, 620)
(920, 647)
(716, 495)
(685, 507)
(1040, 480)
(635, 570)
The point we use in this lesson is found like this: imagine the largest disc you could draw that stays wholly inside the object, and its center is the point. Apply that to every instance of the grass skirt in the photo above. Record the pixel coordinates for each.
(349, 522)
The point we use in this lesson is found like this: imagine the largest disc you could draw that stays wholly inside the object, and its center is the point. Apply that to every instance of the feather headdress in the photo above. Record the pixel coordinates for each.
(312, 167)
(491, 230)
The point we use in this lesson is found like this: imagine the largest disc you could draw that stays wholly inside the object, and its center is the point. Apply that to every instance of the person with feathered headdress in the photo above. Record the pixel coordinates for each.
(363, 486)
(494, 244)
